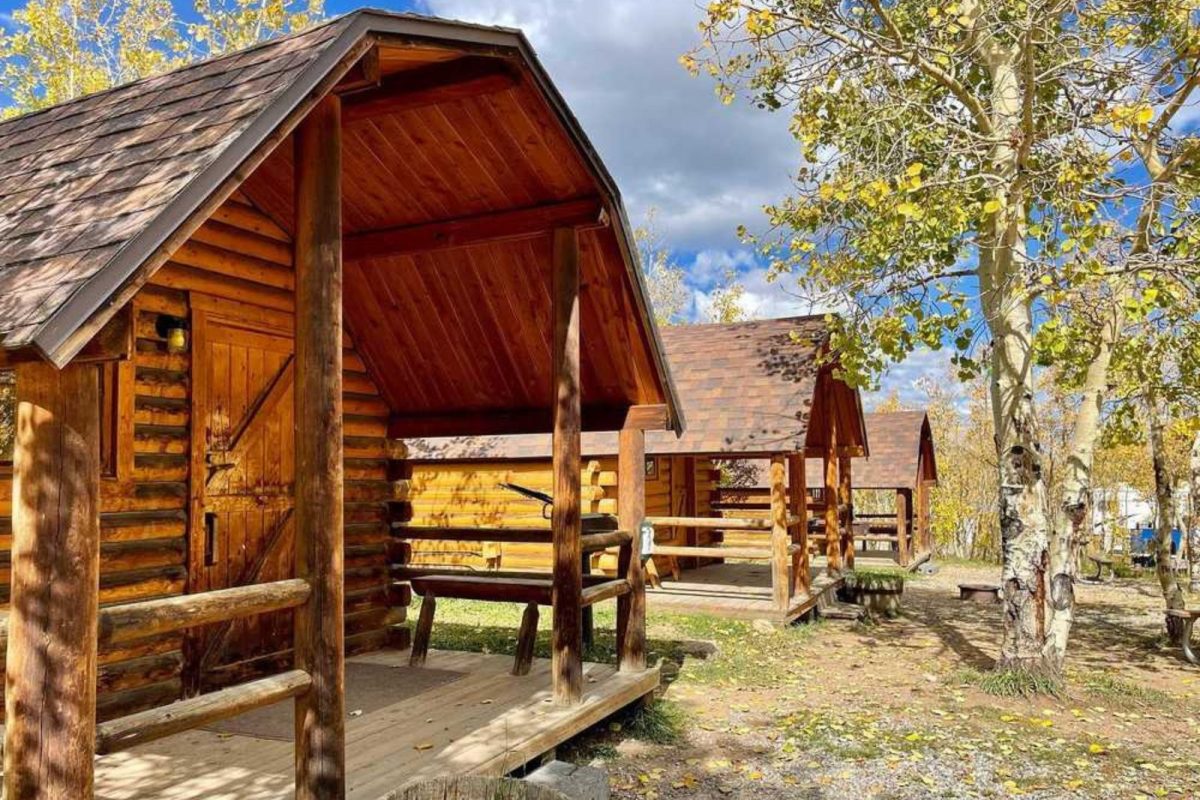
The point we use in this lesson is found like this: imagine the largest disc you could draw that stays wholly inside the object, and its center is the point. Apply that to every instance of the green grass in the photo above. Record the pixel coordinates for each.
(1119, 690)
(1010, 682)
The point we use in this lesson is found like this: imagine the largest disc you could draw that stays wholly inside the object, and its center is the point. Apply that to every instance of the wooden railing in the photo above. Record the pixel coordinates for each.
(132, 621)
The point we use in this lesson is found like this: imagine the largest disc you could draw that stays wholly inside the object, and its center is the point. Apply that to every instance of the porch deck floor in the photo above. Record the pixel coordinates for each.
(736, 589)
(486, 722)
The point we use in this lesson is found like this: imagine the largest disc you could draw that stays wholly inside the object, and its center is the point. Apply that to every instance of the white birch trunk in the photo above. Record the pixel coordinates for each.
(1164, 494)
(1193, 521)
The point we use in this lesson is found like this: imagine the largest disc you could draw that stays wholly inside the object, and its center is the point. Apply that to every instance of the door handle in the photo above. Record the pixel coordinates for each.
(210, 538)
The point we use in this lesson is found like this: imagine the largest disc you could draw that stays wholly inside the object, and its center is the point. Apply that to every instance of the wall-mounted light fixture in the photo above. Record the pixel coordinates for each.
(174, 330)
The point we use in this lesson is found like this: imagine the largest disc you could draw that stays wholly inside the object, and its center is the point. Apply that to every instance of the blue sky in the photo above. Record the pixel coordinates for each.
(706, 168)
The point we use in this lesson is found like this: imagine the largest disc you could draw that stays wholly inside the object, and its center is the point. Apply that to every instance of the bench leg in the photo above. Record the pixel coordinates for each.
(1188, 652)
(420, 644)
(526, 640)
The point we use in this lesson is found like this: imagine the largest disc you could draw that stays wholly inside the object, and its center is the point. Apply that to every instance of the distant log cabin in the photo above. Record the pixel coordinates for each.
(224, 291)
(755, 394)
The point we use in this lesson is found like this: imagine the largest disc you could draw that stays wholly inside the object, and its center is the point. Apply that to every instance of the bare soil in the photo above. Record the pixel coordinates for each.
(895, 709)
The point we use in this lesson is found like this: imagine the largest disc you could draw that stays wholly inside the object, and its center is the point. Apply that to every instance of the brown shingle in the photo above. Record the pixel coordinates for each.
(81, 180)
(745, 388)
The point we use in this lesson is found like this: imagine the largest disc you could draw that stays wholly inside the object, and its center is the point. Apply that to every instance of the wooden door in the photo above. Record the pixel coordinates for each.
(242, 486)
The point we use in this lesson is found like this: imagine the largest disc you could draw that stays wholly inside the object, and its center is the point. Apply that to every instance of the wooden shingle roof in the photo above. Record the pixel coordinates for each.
(901, 452)
(746, 388)
(82, 183)
(98, 194)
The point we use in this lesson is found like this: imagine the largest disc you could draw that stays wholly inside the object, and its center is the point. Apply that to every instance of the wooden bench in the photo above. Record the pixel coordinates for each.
(1101, 562)
(532, 589)
(1188, 619)
(982, 593)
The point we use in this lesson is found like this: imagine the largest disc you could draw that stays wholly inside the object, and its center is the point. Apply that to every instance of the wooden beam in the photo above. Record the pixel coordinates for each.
(798, 508)
(498, 423)
(598, 593)
(718, 523)
(566, 520)
(717, 551)
(319, 627)
(648, 417)
(131, 621)
(461, 78)
(502, 226)
(833, 546)
(631, 511)
(464, 534)
(184, 715)
(50, 686)
(846, 511)
(780, 538)
(902, 527)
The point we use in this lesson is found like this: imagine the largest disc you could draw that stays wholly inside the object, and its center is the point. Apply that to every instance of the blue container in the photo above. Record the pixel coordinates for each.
(1140, 543)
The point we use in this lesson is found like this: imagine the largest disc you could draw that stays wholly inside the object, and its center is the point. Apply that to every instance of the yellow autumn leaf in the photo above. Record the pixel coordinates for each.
(991, 206)
(914, 169)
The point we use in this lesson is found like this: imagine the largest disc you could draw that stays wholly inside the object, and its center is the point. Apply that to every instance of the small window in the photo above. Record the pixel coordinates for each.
(8, 415)
(109, 412)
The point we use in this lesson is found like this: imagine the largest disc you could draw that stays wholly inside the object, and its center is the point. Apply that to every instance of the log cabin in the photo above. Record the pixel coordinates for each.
(754, 393)
(224, 291)
(892, 488)
(890, 508)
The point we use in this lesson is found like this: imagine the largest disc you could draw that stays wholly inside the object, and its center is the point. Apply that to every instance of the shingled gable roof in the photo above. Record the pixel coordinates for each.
(96, 193)
(746, 388)
(897, 439)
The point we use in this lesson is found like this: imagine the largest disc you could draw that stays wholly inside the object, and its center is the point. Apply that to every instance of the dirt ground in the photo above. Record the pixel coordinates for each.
(895, 709)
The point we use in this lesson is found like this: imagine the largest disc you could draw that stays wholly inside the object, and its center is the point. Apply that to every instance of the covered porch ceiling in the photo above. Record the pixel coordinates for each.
(458, 165)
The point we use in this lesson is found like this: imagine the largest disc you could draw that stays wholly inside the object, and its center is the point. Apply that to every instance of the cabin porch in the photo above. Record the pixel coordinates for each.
(462, 713)
(740, 590)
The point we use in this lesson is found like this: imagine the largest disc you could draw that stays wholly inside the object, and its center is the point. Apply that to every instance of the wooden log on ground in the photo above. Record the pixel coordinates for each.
(132, 621)
(319, 625)
(50, 687)
(780, 556)
(146, 726)
(631, 510)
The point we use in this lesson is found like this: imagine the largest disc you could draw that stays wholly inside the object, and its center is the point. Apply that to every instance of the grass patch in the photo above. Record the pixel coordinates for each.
(658, 722)
(1113, 688)
(1010, 682)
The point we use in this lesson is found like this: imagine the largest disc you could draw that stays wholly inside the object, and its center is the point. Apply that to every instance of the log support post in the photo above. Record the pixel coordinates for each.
(846, 510)
(319, 626)
(833, 547)
(50, 686)
(566, 521)
(631, 511)
(798, 510)
(780, 561)
(902, 527)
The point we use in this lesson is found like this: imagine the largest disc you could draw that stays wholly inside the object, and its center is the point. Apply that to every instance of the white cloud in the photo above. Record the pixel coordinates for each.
(667, 140)
(905, 377)
(761, 298)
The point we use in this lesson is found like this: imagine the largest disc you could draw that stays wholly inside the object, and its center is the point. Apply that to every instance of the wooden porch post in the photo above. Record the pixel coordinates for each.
(833, 544)
(902, 527)
(846, 510)
(50, 686)
(781, 584)
(798, 506)
(567, 652)
(631, 510)
(319, 627)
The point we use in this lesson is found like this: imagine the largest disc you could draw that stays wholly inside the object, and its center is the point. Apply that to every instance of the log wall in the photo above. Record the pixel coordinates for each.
(144, 505)
(469, 494)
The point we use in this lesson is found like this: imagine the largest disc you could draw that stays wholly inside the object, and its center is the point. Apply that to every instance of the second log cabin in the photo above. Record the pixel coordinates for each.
(759, 396)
